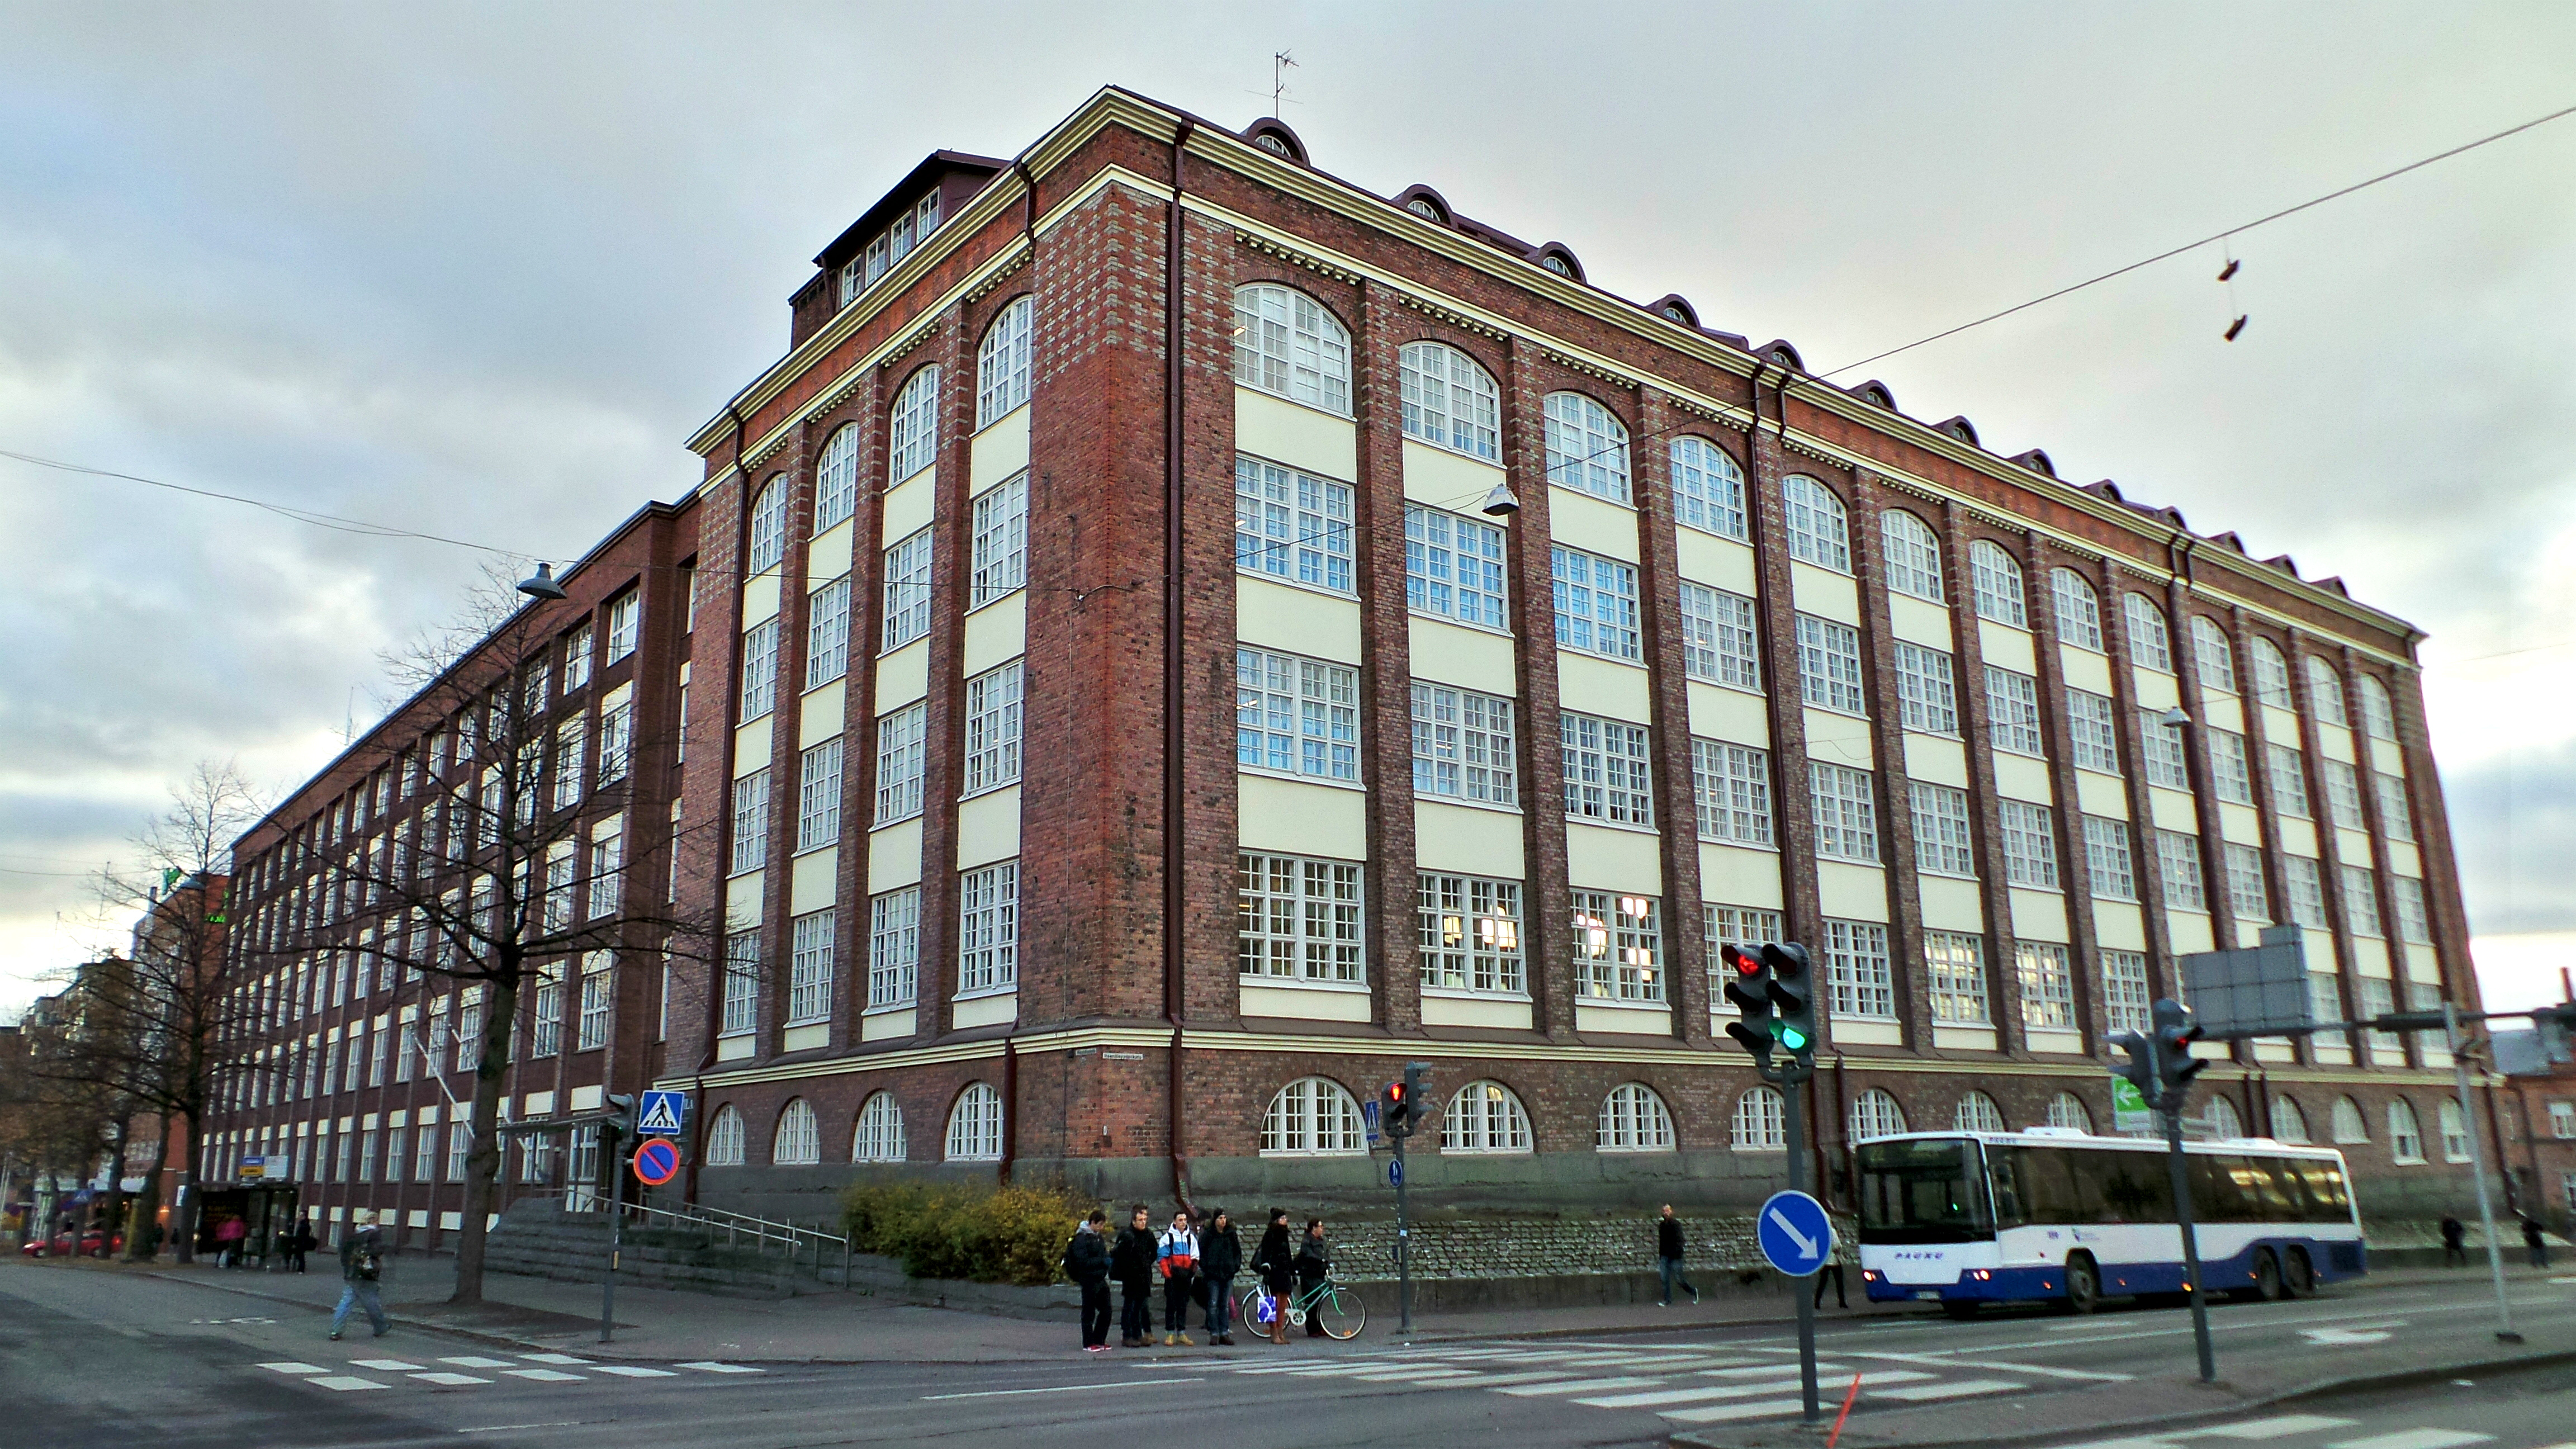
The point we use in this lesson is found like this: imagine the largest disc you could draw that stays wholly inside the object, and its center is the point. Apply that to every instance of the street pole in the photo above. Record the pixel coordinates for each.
(1403, 1250)
(2478, 1166)
(616, 1219)
(1792, 1083)
(2180, 1168)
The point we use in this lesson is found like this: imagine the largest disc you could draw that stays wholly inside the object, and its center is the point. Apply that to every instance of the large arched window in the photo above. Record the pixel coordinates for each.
(1913, 554)
(2079, 609)
(878, 1134)
(1761, 1121)
(1708, 489)
(1449, 401)
(1002, 361)
(2221, 1115)
(2349, 1124)
(1875, 1114)
(2068, 1110)
(1996, 581)
(2325, 687)
(2455, 1131)
(2150, 642)
(2378, 714)
(1312, 1117)
(2405, 1134)
(1286, 342)
(975, 1125)
(1587, 448)
(1977, 1112)
(2209, 651)
(724, 1138)
(2271, 673)
(798, 1143)
(912, 437)
(1634, 1119)
(768, 525)
(2289, 1124)
(836, 479)
(1818, 531)
(1485, 1117)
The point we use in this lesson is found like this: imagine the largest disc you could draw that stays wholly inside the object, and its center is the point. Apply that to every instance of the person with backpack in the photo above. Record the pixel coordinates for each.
(1176, 1257)
(1086, 1262)
(362, 1259)
(1220, 1258)
(1131, 1262)
(1273, 1260)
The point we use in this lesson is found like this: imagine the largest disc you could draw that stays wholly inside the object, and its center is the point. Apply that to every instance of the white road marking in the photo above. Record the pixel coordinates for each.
(296, 1368)
(1955, 1389)
(544, 1376)
(1525, 1376)
(630, 1371)
(713, 1367)
(1059, 1389)
(1771, 1370)
(2416, 1439)
(450, 1381)
(1759, 1409)
(556, 1358)
(388, 1365)
(1652, 1397)
(1950, 1361)
(346, 1384)
(2279, 1426)
(467, 1360)
(1577, 1386)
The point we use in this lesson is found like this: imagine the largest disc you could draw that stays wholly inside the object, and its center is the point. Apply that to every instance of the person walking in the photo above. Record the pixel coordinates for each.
(1669, 1248)
(2533, 1239)
(362, 1259)
(1833, 1269)
(1314, 1265)
(2455, 1237)
(1220, 1258)
(1176, 1257)
(300, 1242)
(1274, 1260)
(1086, 1262)
(1131, 1262)
(228, 1241)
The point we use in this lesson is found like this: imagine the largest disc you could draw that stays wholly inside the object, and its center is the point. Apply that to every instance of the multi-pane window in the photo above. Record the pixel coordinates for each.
(2229, 766)
(1719, 642)
(2012, 712)
(1829, 665)
(2394, 816)
(993, 728)
(1941, 843)
(768, 526)
(1995, 580)
(1634, 1119)
(2414, 922)
(809, 967)
(2343, 794)
(1002, 362)
(1723, 926)
(988, 928)
(2160, 747)
(1462, 746)
(818, 796)
(2124, 991)
(2030, 843)
(2289, 781)
(827, 633)
(2178, 861)
(2361, 901)
(907, 590)
(1846, 812)
(1732, 787)
(1596, 603)
(2078, 609)
(1761, 1121)
(760, 669)
(2325, 692)
(1312, 1117)
(2405, 1133)
(2378, 712)
(751, 821)
(1928, 699)
(836, 479)
(894, 947)
(577, 647)
(878, 1135)
(2092, 729)
(1606, 775)
(1587, 449)
(1708, 488)
(1291, 525)
(2379, 998)
(900, 736)
(741, 1001)
(2047, 985)
(568, 771)
(1470, 934)
(1617, 939)
(1299, 716)
(2307, 889)
(1453, 567)
(912, 439)
(1000, 548)
(1285, 342)
(1485, 1117)
(1956, 965)
(2210, 651)
(2271, 674)
(1449, 401)
(1819, 533)
(1298, 920)
(975, 1125)
(1913, 555)
(2150, 643)
(624, 612)
(597, 986)
(1858, 976)
(2246, 895)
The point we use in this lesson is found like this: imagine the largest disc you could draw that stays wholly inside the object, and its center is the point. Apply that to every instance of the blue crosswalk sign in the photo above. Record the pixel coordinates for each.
(661, 1113)
(1797, 1237)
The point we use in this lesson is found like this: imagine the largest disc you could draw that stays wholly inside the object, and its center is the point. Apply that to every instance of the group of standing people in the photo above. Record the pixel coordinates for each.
(235, 1244)
(1196, 1262)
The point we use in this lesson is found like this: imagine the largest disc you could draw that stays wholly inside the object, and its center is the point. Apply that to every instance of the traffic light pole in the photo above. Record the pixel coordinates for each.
(616, 1156)
(2478, 1168)
(2179, 1167)
(1792, 1084)
(1403, 1249)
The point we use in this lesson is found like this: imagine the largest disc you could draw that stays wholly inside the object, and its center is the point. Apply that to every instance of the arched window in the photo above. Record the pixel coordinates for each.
(2455, 1131)
(1002, 362)
(2068, 1110)
(1996, 580)
(1817, 530)
(1587, 449)
(724, 1138)
(2289, 1124)
(912, 438)
(768, 524)
(1708, 489)
(1913, 555)
(878, 1136)
(1449, 401)
(2325, 688)
(2405, 1134)
(2221, 1116)
(1978, 1113)
(975, 1125)
(836, 479)
(1485, 1117)
(1312, 1117)
(1285, 342)
(2150, 643)
(2079, 610)
(2349, 1124)
(1875, 1114)
(2378, 715)
(798, 1143)
(1634, 1119)
(2210, 652)
(2271, 673)
(1761, 1121)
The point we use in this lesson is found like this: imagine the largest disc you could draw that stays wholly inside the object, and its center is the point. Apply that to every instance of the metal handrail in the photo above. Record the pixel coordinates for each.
(763, 1231)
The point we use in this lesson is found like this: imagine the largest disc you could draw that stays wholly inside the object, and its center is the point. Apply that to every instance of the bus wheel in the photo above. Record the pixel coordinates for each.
(2083, 1284)
(1959, 1308)
(2267, 1275)
(2298, 1275)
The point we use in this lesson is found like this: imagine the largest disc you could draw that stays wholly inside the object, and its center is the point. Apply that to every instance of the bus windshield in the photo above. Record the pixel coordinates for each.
(1923, 1192)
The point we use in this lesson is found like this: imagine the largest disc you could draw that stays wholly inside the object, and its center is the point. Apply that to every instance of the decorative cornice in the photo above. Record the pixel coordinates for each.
(1295, 258)
(993, 281)
(1446, 315)
(1624, 381)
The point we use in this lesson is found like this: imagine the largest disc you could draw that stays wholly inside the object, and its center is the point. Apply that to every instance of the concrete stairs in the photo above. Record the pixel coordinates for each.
(537, 1238)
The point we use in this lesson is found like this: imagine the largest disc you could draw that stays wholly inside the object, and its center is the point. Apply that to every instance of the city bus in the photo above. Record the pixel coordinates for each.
(2053, 1214)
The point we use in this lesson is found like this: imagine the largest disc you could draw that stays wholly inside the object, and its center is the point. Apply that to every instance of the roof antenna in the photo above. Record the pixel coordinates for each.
(1280, 61)
(2227, 274)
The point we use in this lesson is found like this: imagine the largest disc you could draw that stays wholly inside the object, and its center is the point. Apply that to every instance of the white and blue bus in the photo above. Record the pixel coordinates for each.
(1969, 1218)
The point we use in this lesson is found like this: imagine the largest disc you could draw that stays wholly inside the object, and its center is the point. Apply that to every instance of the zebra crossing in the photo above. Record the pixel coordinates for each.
(2292, 1426)
(469, 1370)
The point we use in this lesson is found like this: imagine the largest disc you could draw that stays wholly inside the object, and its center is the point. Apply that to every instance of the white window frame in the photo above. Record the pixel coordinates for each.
(2212, 654)
(2247, 897)
(876, 1134)
(1760, 1121)
(1860, 980)
(1296, 716)
(1595, 604)
(2029, 835)
(1312, 1117)
(1926, 690)
(724, 1138)
(1913, 554)
(2272, 678)
(1943, 842)
(1485, 1118)
(625, 612)
(1290, 345)
(894, 948)
(1977, 1112)
(827, 633)
(2012, 713)
(1617, 946)
(1722, 926)
(1450, 401)
(2046, 976)
(1844, 802)
(1954, 963)
(2125, 996)
(2160, 749)
(993, 724)
(1300, 921)
(1586, 447)
(2150, 637)
(740, 1012)
(759, 669)
(2078, 609)
(907, 591)
(901, 737)
(2093, 731)
(836, 478)
(2110, 865)
(2325, 691)
(1731, 787)
(988, 930)
(812, 941)
(1721, 637)
(912, 426)
(1291, 526)
(1996, 586)
(1464, 747)
(1635, 1118)
(1829, 666)
(1708, 488)
(798, 1140)
(2360, 887)
(1608, 770)
(1818, 525)
(1470, 935)
(2178, 861)
(768, 538)
(1454, 569)
(999, 548)
(2287, 769)
(750, 821)
(2231, 772)
(1002, 362)
(975, 1125)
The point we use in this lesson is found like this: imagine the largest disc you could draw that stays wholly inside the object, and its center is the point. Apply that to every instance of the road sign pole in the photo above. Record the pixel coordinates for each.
(616, 1217)
(2180, 1170)
(2478, 1169)
(1792, 1081)
(1403, 1249)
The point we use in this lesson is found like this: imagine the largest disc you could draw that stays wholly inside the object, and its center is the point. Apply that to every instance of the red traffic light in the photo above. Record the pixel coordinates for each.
(1746, 963)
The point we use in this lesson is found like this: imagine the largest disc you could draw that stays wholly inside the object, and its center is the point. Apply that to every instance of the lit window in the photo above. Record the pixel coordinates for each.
(2150, 644)
(975, 1125)
(988, 928)
(1719, 642)
(899, 762)
(1956, 965)
(1312, 1117)
(878, 1134)
(1298, 716)
(913, 430)
(1607, 778)
(907, 590)
(1453, 567)
(1002, 362)
(1708, 488)
(2047, 986)
(2012, 712)
(2210, 652)
(1285, 342)
(1634, 1119)
(1913, 555)
(1462, 746)
(1587, 448)
(1449, 401)
(836, 478)
(1941, 845)
(1928, 702)
(1298, 920)
(1731, 785)
(1485, 1117)
(827, 633)
(1617, 939)
(1846, 813)
(1596, 604)
(1829, 666)
(797, 1143)
(1996, 582)
(1470, 934)
(2079, 610)
(1292, 525)
(1818, 532)
(894, 948)
(768, 526)
(1000, 565)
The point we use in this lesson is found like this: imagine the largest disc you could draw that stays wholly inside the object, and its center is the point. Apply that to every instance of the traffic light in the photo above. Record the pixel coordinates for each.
(621, 1114)
(2140, 1068)
(1748, 990)
(2555, 1023)
(1400, 1105)
(1792, 988)
(2175, 1065)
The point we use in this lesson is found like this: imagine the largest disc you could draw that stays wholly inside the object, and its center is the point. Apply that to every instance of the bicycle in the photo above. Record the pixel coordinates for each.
(1340, 1314)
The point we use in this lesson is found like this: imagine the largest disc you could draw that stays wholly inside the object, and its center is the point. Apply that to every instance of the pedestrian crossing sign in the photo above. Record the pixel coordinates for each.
(661, 1113)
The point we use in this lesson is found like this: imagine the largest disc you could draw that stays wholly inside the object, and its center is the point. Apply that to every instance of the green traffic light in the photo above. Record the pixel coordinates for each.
(1792, 1038)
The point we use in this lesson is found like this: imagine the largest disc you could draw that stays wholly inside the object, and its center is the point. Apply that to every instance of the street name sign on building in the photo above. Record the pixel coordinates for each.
(2260, 991)
(253, 1167)
(1797, 1234)
(661, 1113)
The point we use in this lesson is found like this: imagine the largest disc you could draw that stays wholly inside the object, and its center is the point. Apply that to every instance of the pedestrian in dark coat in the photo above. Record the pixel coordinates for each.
(1131, 1262)
(2533, 1240)
(300, 1242)
(1314, 1265)
(1220, 1258)
(1274, 1261)
(2455, 1238)
(1086, 1262)
(1669, 1248)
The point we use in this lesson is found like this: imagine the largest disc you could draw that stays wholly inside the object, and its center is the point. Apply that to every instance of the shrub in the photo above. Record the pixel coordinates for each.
(1014, 1235)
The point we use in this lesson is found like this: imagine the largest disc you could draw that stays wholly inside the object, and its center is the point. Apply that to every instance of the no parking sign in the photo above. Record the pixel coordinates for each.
(657, 1161)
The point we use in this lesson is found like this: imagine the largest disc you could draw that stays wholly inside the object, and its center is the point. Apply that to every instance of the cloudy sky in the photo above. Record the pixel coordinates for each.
(478, 269)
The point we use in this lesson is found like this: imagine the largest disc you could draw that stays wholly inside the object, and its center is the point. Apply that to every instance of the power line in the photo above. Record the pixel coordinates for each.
(335, 522)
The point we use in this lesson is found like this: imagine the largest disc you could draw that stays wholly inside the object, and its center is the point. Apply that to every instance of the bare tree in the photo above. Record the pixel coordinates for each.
(48, 1125)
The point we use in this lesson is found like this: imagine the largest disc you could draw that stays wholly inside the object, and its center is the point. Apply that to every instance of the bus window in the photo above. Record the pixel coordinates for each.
(2011, 1210)
(1921, 1192)
(2050, 1189)
(2134, 1187)
(2323, 1184)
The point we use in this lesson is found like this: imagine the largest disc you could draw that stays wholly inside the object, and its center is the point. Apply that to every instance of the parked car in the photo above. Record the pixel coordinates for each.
(93, 1244)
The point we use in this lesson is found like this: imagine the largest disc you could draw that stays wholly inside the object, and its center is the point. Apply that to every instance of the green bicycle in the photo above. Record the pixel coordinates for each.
(1341, 1315)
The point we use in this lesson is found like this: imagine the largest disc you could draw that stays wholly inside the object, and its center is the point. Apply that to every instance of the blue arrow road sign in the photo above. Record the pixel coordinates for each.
(1797, 1236)
(661, 1113)
(1395, 1172)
